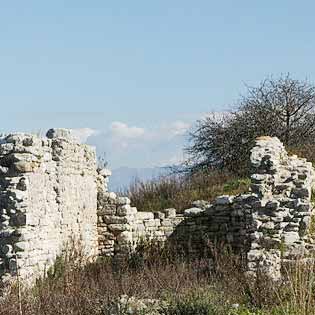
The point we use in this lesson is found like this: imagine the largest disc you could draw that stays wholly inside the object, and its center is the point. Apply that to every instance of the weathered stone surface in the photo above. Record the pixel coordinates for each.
(224, 200)
(60, 133)
(193, 212)
(145, 216)
(170, 213)
(52, 191)
(50, 200)
(201, 204)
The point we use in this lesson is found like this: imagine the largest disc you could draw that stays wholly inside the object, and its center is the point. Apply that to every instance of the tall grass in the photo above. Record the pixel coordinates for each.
(306, 151)
(183, 286)
(180, 191)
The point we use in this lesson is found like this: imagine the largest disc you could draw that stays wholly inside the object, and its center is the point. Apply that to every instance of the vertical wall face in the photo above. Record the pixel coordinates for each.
(283, 217)
(48, 198)
(52, 194)
(269, 224)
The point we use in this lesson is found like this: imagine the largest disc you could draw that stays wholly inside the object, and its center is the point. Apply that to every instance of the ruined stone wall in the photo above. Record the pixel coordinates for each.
(52, 193)
(121, 226)
(282, 217)
(269, 224)
(48, 199)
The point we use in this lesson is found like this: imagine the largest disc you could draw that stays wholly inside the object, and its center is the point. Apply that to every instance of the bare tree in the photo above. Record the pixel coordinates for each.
(283, 107)
(289, 103)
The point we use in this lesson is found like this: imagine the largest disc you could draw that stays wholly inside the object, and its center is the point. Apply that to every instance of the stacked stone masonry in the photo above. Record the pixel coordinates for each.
(53, 194)
(48, 199)
(270, 224)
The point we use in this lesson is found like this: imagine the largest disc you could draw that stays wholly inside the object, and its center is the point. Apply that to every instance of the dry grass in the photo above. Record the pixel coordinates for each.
(306, 151)
(92, 289)
(179, 192)
(190, 287)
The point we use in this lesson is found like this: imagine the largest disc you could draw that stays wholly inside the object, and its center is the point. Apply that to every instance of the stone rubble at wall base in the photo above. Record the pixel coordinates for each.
(51, 192)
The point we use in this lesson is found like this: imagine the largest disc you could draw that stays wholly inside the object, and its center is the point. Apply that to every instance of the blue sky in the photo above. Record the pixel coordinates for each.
(134, 75)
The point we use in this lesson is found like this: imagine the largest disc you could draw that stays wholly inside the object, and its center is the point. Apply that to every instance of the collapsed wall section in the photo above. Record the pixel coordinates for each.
(52, 193)
(121, 227)
(268, 225)
(48, 198)
(229, 220)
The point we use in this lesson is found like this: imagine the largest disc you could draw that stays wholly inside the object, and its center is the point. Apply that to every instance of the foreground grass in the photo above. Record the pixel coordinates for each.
(183, 287)
(180, 191)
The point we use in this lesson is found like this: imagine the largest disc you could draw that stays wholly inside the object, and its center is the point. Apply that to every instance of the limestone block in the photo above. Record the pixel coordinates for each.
(60, 133)
(119, 227)
(112, 196)
(115, 219)
(145, 216)
(159, 215)
(166, 228)
(157, 222)
(290, 237)
(6, 148)
(26, 166)
(149, 223)
(224, 200)
(201, 204)
(123, 201)
(170, 213)
(107, 210)
(193, 212)
(124, 210)
(21, 246)
(166, 222)
(268, 225)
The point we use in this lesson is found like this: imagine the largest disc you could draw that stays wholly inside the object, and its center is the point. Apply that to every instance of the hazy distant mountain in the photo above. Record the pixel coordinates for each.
(122, 177)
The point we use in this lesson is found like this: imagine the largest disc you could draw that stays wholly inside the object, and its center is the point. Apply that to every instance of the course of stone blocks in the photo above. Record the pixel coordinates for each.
(53, 194)
(48, 198)
(270, 224)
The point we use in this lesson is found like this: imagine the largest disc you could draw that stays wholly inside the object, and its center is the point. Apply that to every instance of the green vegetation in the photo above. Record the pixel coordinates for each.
(181, 287)
(214, 284)
(279, 107)
(180, 191)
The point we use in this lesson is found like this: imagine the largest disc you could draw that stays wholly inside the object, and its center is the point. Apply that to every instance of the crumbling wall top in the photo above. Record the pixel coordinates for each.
(267, 155)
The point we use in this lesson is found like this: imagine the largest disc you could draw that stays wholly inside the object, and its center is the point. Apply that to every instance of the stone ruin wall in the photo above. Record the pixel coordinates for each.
(51, 193)
(270, 224)
(48, 197)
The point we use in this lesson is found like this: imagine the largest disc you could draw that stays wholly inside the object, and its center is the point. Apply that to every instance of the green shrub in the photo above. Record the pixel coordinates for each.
(180, 191)
(193, 304)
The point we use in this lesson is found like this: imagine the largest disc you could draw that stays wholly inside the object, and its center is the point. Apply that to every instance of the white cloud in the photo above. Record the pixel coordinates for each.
(83, 133)
(179, 128)
(121, 130)
(135, 146)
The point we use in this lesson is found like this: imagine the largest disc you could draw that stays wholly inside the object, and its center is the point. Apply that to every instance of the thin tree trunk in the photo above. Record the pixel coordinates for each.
(287, 133)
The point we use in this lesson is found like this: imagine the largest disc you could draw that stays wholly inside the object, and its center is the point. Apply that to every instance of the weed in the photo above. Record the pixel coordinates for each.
(180, 191)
